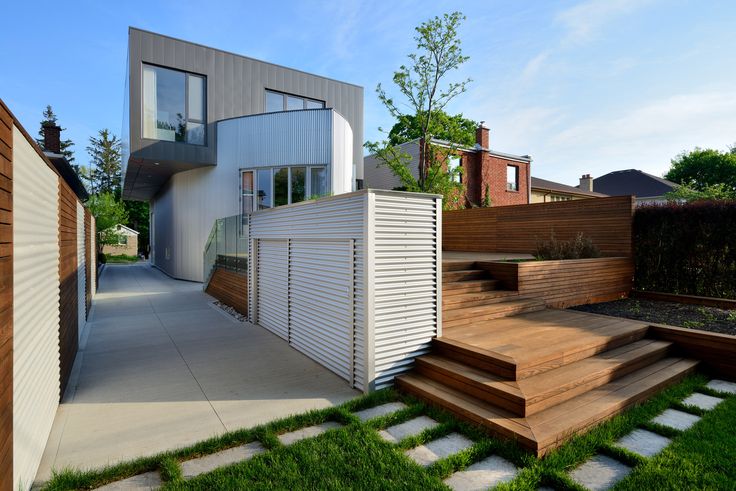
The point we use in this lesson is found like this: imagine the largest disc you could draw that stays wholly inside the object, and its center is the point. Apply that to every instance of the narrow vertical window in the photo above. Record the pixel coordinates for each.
(317, 182)
(512, 178)
(298, 184)
(264, 189)
(281, 187)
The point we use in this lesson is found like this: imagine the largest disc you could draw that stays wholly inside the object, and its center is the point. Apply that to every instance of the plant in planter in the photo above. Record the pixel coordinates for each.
(580, 247)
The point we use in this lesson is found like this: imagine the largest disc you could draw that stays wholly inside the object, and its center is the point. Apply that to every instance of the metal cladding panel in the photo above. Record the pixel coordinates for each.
(338, 217)
(406, 286)
(273, 279)
(359, 356)
(271, 139)
(36, 375)
(321, 302)
(81, 272)
(380, 177)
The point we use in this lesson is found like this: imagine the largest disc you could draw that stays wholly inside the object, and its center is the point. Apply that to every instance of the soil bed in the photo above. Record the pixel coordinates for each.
(674, 314)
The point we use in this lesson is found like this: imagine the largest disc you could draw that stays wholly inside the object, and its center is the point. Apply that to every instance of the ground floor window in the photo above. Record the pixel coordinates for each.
(277, 186)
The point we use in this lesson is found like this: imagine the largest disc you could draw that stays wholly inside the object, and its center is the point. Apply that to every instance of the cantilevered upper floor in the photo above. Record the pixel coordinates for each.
(176, 92)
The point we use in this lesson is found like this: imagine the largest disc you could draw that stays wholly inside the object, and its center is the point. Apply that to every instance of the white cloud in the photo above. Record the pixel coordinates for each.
(534, 66)
(586, 18)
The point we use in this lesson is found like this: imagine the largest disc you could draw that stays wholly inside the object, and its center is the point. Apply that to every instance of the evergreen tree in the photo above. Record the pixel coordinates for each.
(103, 174)
(66, 151)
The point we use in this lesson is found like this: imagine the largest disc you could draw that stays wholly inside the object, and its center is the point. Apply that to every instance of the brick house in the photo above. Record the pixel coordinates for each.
(504, 177)
(127, 242)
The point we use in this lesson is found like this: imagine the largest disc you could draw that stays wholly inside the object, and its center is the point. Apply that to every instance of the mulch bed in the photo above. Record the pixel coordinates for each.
(674, 314)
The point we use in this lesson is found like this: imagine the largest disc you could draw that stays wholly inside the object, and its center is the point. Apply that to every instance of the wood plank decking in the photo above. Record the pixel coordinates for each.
(533, 374)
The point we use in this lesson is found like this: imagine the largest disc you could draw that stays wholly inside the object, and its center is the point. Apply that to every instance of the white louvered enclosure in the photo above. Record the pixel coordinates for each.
(352, 281)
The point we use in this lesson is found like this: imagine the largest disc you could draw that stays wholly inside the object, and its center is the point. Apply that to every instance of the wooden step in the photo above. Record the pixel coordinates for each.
(520, 347)
(531, 395)
(460, 287)
(477, 298)
(507, 307)
(454, 265)
(464, 275)
(551, 427)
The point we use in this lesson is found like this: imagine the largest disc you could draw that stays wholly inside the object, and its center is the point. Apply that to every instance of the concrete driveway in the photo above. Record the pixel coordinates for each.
(160, 368)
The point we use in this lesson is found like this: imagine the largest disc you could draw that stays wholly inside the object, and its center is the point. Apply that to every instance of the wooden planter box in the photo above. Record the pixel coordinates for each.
(569, 282)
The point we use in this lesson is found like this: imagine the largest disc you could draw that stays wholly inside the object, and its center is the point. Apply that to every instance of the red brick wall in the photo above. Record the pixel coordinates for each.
(481, 169)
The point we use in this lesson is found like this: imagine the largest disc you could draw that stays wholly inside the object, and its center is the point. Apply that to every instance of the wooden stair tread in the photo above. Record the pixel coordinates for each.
(533, 394)
(463, 300)
(551, 427)
(478, 310)
(475, 283)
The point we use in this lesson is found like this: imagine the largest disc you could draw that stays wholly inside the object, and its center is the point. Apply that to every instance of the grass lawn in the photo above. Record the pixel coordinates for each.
(355, 457)
(122, 259)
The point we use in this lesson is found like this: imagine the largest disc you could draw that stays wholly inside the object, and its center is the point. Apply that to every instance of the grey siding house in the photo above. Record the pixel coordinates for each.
(209, 134)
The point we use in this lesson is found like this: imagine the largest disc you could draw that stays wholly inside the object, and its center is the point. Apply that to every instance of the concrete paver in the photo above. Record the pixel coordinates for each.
(600, 473)
(441, 448)
(482, 475)
(308, 432)
(159, 368)
(677, 420)
(194, 467)
(644, 443)
(141, 482)
(722, 386)
(702, 401)
(382, 410)
(396, 433)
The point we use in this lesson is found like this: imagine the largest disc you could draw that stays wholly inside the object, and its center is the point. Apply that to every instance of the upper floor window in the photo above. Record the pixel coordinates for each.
(512, 178)
(174, 105)
(277, 101)
(454, 163)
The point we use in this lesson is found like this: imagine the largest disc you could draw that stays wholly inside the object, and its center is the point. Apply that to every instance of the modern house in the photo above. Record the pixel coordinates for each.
(210, 134)
(544, 191)
(127, 242)
(504, 177)
(645, 187)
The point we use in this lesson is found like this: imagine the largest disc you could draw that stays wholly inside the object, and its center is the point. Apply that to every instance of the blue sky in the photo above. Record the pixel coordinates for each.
(582, 86)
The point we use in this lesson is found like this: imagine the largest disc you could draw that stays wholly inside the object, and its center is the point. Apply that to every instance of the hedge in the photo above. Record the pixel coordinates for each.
(686, 248)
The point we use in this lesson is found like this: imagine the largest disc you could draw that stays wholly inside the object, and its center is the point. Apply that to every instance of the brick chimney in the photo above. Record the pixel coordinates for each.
(482, 136)
(586, 183)
(51, 137)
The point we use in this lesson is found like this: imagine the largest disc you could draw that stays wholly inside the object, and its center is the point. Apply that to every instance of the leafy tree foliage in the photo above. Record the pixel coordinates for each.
(690, 193)
(138, 219)
(424, 90)
(49, 117)
(702, 169)
(455, 129)
(108, 212)
(103, 174)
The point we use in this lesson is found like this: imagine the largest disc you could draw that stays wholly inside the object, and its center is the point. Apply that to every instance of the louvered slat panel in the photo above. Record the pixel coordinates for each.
(272, 286)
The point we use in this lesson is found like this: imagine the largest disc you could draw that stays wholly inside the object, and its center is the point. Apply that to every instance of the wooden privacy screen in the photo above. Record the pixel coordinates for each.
(68, 288)
(6, 298)
(230, 288)
(606, 221)
(87, 262)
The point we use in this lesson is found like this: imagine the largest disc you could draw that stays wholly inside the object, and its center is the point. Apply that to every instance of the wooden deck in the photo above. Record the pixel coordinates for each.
(533, 374)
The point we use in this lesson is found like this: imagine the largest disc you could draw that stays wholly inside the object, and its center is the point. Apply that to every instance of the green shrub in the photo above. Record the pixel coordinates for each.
(101, 258)
(686, 248)
(580, 247)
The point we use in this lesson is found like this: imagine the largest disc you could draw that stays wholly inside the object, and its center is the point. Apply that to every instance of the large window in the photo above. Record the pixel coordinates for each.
(277, 101)
(174, 105)
(281, 186)
(512, 178)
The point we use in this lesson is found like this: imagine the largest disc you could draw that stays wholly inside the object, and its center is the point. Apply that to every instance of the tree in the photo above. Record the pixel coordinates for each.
(103, 174)
(138, 219)
(425, 93)
(108, 212)
(689, 193)
(50, 118)
(701, 169)
(455, 129)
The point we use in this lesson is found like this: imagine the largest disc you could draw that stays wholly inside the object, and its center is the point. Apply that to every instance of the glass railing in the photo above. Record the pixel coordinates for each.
(227, 246)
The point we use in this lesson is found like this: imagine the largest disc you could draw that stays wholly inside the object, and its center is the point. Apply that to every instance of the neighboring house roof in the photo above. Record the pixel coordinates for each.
(475, 148)
(545, 185)
(634, 182)
(126, 230)
(65, 170)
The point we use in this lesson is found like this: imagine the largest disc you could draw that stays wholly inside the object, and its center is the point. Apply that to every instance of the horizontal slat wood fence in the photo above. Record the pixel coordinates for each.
(606, 221)
(567, 283)
(716, 351)
(230, 288)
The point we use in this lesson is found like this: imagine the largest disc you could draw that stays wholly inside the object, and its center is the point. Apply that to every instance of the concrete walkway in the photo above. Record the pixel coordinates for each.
(160, 368)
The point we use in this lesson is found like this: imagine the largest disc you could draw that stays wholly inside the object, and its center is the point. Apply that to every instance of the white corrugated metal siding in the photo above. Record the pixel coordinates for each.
(81, 272)
(362, 275)
(273, 281)
(406, 281)
(321, 302)
(35, 307)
